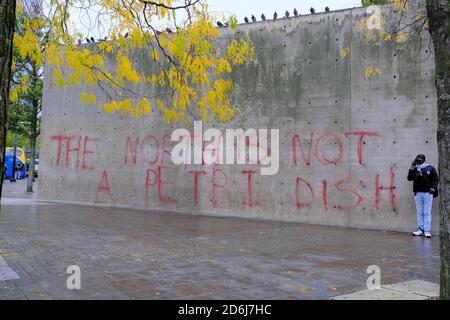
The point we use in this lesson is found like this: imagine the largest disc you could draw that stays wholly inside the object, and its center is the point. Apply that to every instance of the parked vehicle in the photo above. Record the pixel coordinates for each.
(20, 153)
(21, 168)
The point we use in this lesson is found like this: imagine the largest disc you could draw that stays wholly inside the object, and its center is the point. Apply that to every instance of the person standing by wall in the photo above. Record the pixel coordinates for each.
(425, 186)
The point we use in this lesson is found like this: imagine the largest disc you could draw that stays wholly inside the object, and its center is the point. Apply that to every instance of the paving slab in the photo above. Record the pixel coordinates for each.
(3, 262)
(424, 288)
(6, 273)
(379, 294)
(409, 290)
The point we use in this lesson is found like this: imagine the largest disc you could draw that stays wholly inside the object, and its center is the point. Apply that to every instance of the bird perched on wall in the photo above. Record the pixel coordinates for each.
(286, 14)
(246, 20)
(169, 30)
(87, 40)
(327, 9)
(126, 35)
(263, 17)
(275, 15)
(253, 18)
(105, 38)
(79, 41)
(220, 24)
(295, 12)
(312, 10)
(92, 40)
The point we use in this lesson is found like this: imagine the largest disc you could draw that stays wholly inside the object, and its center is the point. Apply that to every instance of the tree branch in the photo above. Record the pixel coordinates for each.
(162, 5)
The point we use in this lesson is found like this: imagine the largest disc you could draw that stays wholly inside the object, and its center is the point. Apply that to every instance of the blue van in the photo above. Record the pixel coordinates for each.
(21, 168)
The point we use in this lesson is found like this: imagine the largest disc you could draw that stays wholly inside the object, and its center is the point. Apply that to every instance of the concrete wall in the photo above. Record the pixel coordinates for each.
(300, 83)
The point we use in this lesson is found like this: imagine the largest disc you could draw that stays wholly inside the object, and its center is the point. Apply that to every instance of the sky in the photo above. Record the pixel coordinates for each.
(223, 9)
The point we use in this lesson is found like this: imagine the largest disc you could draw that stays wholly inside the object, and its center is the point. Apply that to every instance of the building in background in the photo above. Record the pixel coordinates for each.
(32, 7)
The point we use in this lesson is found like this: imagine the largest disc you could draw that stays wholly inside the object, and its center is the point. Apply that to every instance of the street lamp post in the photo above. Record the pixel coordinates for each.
(13, 176)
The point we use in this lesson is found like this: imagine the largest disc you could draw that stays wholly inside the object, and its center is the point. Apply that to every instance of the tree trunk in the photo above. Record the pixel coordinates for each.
(31, 167)
(439, 26)
(7, 21)
(33, 146)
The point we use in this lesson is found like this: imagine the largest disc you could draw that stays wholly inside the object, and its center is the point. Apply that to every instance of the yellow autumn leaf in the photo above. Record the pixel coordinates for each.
(155, 55)
(377, 72)
(7, 254)
(58, 79)
(13, 95)
(345, 52)
(401, 37)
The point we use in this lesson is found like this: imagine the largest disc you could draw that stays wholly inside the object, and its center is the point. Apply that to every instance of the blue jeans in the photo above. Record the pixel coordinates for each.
(424, 202)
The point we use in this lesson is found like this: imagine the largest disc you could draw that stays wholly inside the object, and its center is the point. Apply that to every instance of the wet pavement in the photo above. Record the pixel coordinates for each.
(128, 254)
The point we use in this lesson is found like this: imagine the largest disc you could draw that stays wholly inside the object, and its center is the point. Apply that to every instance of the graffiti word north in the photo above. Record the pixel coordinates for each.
(241, 147)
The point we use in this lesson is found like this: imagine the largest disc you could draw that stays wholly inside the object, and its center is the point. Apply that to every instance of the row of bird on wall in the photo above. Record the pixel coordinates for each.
(287, 15)
(92, 39)
(220, 24)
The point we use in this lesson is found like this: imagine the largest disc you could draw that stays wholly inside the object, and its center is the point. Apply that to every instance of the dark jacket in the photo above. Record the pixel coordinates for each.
(425, 180)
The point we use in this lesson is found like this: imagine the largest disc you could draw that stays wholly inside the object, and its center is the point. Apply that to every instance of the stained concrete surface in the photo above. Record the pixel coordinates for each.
(126, 254)
(300, 83)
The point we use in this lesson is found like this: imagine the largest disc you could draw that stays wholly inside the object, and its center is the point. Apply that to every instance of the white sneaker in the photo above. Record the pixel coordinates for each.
(428, 235)
(418, 233)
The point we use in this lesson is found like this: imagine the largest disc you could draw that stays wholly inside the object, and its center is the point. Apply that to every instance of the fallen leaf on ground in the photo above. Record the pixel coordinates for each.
(6, 254)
